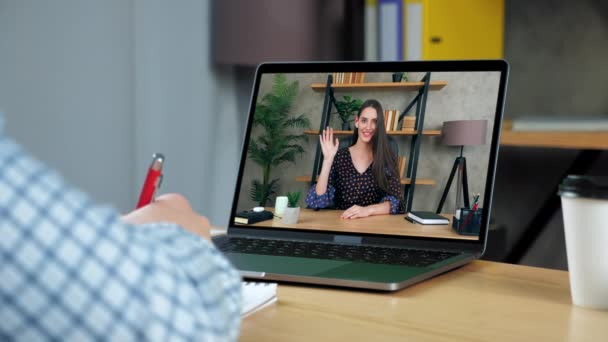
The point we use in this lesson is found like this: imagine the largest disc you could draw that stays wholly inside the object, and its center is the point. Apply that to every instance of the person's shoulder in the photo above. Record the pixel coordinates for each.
(343, 151)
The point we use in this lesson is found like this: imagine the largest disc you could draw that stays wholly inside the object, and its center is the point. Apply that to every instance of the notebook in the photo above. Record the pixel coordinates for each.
(256, 296)
(251, 217)
(427, 217)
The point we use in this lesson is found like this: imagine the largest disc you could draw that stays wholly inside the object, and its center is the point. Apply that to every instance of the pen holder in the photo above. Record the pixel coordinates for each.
(472, 224)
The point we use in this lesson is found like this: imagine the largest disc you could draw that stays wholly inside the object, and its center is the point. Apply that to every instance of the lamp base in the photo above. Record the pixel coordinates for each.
(458, 163)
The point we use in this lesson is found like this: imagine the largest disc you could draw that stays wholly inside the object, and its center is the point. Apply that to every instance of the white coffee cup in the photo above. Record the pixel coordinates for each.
(279, 205)
(585, 210)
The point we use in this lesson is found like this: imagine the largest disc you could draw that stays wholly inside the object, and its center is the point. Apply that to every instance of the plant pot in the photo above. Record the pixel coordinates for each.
(397, 76)
(346, 126)
(290, 215)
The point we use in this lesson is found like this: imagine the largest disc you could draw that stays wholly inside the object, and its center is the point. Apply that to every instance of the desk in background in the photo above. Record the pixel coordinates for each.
(381, 224)
(481, 301)
(590, 144)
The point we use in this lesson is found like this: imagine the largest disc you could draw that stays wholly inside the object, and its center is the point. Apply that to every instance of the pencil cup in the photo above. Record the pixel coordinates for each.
(279, 205)
(468, 222)
(584, 206)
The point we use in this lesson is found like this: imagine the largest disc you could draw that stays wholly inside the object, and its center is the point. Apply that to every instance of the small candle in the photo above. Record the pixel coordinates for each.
(280, 205)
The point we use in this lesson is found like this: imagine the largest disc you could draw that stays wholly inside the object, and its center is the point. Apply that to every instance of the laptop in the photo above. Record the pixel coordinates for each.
(427, 107)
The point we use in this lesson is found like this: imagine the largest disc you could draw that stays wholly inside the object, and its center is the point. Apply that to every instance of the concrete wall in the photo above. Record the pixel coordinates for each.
(470, 95)
(558, 51)
(93, 88)
(66, 89)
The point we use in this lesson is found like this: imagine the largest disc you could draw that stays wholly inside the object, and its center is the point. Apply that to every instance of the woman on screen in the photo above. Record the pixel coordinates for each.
(361, 179)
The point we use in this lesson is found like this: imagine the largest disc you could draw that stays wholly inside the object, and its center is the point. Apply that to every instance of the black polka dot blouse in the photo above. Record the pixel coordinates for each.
(348, 187)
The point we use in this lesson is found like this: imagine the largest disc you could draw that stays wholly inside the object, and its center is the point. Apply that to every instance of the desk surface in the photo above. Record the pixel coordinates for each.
(480, 301)
(558, 139)
(381, 224)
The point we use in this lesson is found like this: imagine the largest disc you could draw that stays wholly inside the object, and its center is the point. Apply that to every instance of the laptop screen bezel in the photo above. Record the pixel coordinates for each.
(406, 66)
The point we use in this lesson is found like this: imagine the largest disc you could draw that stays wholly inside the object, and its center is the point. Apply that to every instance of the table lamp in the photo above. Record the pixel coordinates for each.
(461, 133)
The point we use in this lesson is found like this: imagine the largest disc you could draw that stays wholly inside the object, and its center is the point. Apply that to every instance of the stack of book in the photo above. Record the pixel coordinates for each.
(391, 120)
(348, 77)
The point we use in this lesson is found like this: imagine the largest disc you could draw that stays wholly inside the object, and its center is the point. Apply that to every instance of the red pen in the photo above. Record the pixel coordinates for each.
(153, 180)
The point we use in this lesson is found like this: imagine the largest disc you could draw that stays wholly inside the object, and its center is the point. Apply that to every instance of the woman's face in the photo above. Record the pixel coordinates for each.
(366, 124)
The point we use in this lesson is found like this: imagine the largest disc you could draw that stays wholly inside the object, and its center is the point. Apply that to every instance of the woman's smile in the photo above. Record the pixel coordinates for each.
(367, 134)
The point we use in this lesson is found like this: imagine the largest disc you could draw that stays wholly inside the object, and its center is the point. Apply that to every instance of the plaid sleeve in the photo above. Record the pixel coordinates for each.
(71, 270)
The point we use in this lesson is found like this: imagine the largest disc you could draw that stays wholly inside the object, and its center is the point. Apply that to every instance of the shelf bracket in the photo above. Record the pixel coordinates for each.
(412, 165)
(327, 103)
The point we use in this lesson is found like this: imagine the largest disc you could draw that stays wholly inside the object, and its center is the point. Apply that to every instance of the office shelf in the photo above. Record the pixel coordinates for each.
(415, 135)
(435, 85)
(404, 181)
(411, 132)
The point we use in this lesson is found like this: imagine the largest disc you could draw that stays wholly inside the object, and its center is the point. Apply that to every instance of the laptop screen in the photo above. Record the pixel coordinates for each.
(390, 153)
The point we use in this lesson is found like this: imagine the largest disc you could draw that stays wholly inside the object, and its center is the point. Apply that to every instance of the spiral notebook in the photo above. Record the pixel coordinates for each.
(256, 296)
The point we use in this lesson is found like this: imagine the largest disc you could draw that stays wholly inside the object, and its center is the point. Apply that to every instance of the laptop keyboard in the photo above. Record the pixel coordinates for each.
(316, 250)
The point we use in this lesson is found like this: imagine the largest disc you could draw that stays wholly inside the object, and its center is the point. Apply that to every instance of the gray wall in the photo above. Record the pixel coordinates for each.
(93, 88)
(66, 89)
(470, 95)
(558, 51)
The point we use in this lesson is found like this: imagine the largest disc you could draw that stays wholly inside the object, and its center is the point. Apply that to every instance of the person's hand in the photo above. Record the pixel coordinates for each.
(172, 208)
(328, 146)
(356, 211)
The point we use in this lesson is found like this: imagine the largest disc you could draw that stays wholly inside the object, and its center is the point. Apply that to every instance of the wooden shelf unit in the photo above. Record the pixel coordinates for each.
(412, 132)
(415, 136)
(404, 181)
(434, 85)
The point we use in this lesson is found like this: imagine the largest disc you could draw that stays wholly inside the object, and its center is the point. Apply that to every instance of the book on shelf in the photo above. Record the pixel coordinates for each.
(391, 117)
(572, 123)
(348, 77)
(401, 164)
(371, 30)
(251, 217)
(385, 118)
(390, 30)
(396, 120)
(408, 123)
(427, 217)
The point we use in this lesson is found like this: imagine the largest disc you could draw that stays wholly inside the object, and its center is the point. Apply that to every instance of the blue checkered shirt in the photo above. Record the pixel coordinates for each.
(71, 270)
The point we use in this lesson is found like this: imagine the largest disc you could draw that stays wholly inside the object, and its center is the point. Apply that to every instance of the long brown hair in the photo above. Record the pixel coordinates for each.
(383, 157)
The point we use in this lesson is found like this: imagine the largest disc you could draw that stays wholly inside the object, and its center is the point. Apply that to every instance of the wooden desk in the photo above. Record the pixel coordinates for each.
(482, 301)
(590, 144)
(382, 224)
(559, 139)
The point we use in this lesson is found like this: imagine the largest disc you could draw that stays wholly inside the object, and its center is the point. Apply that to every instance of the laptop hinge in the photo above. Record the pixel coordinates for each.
(349, 240)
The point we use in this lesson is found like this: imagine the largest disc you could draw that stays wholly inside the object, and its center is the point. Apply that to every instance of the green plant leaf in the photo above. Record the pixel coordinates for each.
(275, 144)
(347, 107)
(293, 198)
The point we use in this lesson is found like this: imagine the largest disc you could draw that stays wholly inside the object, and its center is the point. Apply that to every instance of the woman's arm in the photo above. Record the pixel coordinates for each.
(323, 180)
(357, 211)
(322, 193)
(389, 204)
(329, 149)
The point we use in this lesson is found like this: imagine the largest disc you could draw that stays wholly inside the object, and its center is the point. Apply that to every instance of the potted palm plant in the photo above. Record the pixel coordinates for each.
(276, 143)
(345, 108)
(292, 212)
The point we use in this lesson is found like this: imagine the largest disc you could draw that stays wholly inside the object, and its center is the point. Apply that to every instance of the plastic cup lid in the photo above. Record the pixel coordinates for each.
(584, 186)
